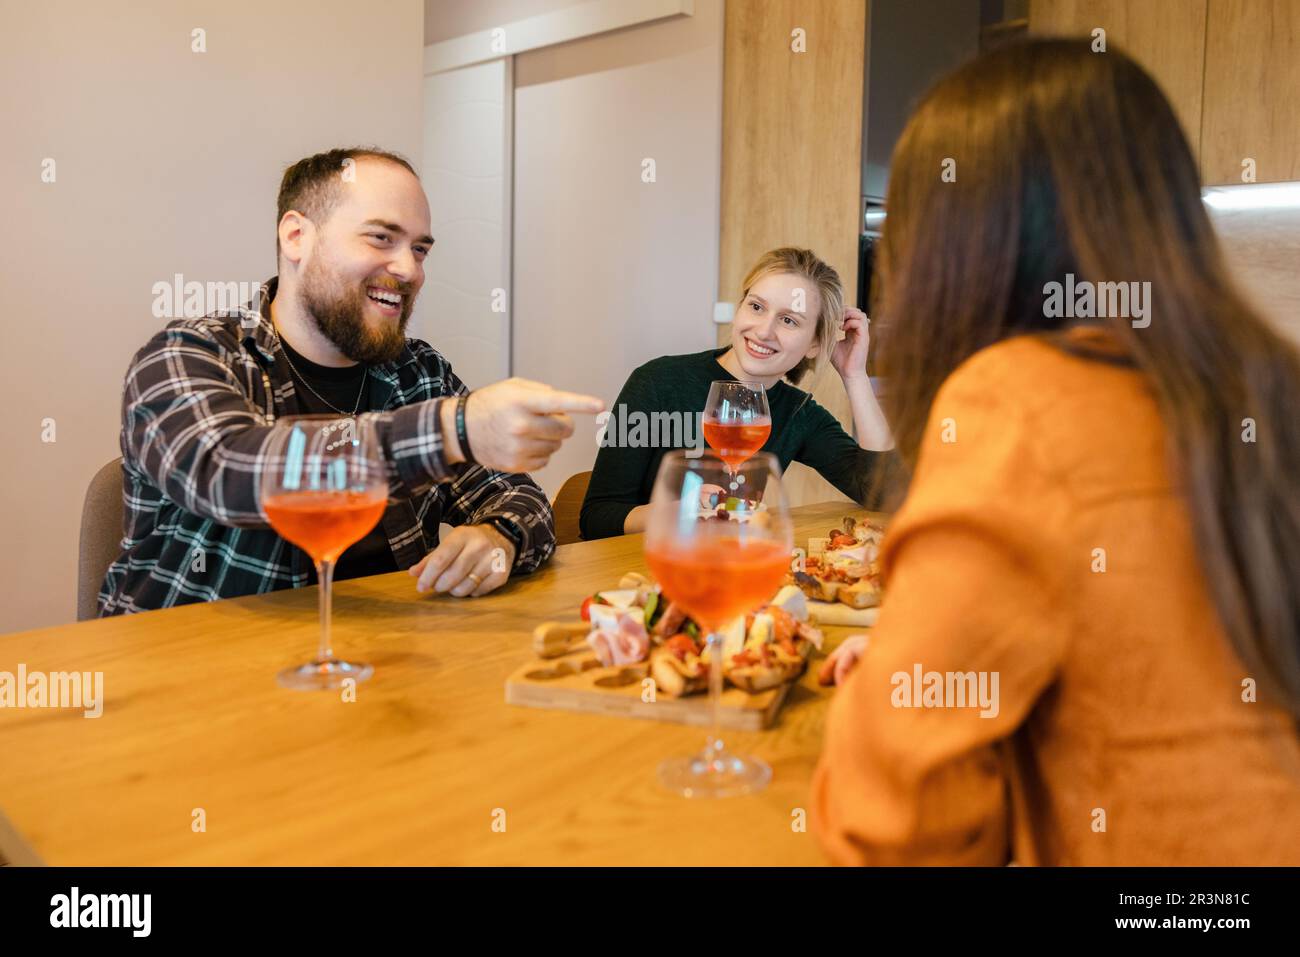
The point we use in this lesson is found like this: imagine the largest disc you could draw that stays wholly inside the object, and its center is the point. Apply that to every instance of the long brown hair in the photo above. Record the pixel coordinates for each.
(1069, 161)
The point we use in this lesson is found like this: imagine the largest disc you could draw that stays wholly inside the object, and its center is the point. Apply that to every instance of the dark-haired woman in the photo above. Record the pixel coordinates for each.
(1089, 650)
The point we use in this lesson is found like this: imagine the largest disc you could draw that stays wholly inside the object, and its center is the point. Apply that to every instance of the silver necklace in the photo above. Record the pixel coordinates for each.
(365, 373)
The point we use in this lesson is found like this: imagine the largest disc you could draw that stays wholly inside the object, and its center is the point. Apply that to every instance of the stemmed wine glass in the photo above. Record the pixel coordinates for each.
(323, 488)
(716, 569)
(736, 422)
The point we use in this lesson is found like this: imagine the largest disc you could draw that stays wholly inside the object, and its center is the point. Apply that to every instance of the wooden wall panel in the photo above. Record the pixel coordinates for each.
(1252, 91)
(792, 155)
(1166, 36)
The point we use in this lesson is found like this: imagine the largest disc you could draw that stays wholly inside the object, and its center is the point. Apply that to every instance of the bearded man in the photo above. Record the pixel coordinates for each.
(327, 335)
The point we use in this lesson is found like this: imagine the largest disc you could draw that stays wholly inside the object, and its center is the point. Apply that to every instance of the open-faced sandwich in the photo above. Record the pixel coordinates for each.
(778, 641)
(636, 623)
(764, 649)
(842, 567)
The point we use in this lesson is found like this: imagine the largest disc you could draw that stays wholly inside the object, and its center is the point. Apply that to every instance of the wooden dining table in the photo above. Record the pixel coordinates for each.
(200, 758)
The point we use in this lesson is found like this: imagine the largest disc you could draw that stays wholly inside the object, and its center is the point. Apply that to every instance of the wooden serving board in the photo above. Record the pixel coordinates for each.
(835, 613)
(578, 682)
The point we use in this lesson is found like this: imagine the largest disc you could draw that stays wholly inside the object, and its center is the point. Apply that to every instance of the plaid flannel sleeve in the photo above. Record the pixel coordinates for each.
(192, 427)
(479, 494)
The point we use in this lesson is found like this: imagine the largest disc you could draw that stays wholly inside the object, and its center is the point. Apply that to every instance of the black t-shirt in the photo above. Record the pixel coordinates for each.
(343, 389)
(802, 431)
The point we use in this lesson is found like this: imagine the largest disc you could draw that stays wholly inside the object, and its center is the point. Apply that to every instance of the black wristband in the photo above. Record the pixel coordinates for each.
(510, 531)
(462, 433)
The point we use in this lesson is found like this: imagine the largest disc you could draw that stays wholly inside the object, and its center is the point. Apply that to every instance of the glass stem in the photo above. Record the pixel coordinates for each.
(325, 576)
(715, 746)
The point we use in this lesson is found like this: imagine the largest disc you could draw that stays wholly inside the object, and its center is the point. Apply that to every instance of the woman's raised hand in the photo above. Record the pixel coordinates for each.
(849, 357)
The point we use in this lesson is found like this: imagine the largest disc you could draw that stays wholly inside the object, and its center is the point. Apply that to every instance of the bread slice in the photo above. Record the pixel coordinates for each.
(756, 678)
(816, 588)
(861, 594)
(779, 669)
(674, 678)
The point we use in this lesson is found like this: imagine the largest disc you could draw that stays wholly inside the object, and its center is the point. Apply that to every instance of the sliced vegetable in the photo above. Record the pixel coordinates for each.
(585, 611)
(651, 608)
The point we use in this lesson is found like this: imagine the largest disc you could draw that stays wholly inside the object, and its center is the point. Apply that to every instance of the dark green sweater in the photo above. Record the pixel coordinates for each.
(626, 465)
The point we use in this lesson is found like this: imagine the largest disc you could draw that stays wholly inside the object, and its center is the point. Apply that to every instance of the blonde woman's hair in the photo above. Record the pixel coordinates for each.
(830, 293)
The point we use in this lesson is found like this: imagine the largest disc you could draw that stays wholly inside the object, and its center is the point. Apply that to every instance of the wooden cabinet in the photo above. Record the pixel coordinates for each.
(792, 156)
(1166, 36)
(1231, 68)
(1252, 91)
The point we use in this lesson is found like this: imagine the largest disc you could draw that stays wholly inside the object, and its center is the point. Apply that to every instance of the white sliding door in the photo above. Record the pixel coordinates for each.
(615, 260)
(464, 309)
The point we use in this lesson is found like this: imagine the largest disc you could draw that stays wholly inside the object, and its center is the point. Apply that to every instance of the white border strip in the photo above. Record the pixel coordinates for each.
(560, 26)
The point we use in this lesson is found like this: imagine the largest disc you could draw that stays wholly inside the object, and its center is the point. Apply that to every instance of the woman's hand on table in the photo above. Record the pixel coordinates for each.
(470, 561)
(841, 661)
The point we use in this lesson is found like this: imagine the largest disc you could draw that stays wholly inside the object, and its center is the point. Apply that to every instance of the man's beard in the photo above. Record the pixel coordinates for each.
(340, 316)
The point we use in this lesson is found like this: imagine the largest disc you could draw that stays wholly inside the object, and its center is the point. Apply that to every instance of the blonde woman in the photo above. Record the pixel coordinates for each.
(785, 329)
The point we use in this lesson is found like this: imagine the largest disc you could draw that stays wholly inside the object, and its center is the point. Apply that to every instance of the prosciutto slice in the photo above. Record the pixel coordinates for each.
(621, 642)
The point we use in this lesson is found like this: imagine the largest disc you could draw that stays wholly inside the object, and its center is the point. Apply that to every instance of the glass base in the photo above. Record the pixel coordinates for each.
(714, 775)
(323, 675)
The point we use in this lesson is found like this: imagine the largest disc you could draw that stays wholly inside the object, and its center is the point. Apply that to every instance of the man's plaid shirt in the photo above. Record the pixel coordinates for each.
(196, 409)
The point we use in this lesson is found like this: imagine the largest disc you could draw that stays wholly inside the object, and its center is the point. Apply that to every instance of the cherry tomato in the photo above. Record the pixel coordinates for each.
(679, 644)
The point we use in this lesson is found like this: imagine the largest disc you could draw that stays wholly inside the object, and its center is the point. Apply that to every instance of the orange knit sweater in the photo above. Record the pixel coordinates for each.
(1044, 542)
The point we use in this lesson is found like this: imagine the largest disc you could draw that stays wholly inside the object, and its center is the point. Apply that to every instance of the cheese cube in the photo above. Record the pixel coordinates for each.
(605, 617)
(619, 597)
(761, 631)
(733, 639)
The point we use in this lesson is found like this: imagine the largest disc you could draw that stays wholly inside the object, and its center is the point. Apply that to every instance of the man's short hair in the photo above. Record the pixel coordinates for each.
(311, 186)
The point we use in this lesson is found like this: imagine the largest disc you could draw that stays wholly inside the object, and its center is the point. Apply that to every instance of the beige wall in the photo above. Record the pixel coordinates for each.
(611, 271)
(167, 161)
